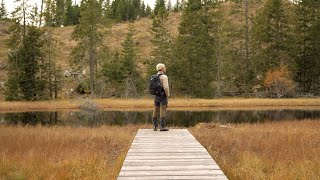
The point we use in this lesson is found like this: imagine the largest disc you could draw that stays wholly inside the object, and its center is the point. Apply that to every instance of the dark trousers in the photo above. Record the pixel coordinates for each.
(160, 108)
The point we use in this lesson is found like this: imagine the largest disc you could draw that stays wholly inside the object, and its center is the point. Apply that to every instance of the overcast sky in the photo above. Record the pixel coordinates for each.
(10, 5)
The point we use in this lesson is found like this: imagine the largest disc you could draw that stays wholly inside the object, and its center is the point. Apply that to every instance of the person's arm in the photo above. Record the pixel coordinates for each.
(166, 85)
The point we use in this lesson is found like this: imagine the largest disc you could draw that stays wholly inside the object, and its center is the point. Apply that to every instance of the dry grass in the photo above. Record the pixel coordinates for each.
(174, 104)
(63, 152)
(275, 150)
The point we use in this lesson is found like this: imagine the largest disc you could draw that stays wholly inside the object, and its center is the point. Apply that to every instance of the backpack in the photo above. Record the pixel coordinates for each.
(155, 87)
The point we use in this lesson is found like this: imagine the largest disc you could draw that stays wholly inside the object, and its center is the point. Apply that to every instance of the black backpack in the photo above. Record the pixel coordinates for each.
(155, 87)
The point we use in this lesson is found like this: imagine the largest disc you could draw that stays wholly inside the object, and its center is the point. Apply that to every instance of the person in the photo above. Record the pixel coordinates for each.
(161, 101)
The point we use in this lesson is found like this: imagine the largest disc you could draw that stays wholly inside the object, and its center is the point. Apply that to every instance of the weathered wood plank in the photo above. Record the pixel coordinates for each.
(171, 167)
(218, 177)
(171, 173)
(168, 155)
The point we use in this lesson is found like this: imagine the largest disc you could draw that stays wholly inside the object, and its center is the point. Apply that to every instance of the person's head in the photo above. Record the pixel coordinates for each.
(161, 67)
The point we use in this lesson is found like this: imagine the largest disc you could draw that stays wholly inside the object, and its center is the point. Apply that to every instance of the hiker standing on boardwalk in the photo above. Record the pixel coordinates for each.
(161, 92)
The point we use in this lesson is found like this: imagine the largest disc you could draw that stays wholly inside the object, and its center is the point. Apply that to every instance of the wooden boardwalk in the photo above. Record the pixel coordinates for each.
(174, 154)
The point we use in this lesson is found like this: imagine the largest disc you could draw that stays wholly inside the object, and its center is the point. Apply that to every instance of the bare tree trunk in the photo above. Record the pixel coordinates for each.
(247, 34)
(92, 65)
(24, 19)
(49, 66)
(219, 70)
(41, 11)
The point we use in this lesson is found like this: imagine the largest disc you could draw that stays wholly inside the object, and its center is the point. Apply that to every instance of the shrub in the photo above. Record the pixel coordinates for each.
(279, 83)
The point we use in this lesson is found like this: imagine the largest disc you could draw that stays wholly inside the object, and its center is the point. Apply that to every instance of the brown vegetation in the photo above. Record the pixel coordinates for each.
(275, 150)
(63, 152)
(174, 104)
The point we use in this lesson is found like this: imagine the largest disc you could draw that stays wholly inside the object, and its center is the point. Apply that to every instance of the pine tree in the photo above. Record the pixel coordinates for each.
(30, 54)
(308, 56)
(72, 14)
(143, 10)
(18, 34)
(50, 12)
(131, 76)
(193, 68)
(160, 7)
(162, 40)
(271, 35)
(3, 11)
(137, 8)
(148, 11)
(89, 37)
(60, 11)
(68, 20)
(50, 78)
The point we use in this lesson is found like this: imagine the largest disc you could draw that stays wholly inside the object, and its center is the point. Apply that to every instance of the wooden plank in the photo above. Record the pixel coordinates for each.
(171, 167)
(175, 154)
(168, 157)
(217, 177)
(172, 173)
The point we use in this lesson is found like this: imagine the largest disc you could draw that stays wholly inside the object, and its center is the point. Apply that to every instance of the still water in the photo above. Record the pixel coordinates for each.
(174, 118)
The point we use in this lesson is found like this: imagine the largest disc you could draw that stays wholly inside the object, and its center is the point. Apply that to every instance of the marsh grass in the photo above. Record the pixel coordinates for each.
(273, 150)
(174, 104)
(63, 152)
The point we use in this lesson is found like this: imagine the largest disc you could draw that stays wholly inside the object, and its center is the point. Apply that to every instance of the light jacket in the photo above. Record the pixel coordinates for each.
(165, 83)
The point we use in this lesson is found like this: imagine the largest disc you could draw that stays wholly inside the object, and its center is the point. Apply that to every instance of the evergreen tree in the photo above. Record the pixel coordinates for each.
(143, 10)
(160, 7)
(132, 79)
(137, 8)
(271, 35)
(72, 14)
(60, 11)
(24, 65)
(107, 10)
(148, 11)
(3, 11)
(193, 68)
(162, 40)
(30, 54)
(89, 37)
(308, 56)
(50, 12)
(18, 34)
(49, 75)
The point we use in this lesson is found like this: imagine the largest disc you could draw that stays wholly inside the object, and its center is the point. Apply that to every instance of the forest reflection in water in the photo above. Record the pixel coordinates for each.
(174, 118)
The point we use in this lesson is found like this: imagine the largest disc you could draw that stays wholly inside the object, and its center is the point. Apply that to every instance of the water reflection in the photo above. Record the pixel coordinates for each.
(174, 118)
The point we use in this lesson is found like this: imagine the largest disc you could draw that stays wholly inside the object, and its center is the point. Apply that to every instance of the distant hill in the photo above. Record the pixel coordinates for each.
(113, 39)
(114, 36)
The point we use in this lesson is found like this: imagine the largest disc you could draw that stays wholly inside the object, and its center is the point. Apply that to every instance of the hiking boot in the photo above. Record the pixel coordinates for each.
(164, 129)
(162, 124)
(155, 123)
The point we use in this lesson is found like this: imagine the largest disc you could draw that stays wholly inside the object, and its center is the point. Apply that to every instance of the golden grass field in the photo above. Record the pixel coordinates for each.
(63, 152)
(273, 150)
(174, 104)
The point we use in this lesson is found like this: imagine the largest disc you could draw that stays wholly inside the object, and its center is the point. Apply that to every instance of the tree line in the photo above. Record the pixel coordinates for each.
(272, 52)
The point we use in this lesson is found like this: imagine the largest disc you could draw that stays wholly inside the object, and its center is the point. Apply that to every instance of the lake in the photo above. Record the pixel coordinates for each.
(174, 118)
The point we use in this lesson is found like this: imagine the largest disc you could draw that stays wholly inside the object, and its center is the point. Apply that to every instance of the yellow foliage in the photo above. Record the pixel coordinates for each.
(278, 82)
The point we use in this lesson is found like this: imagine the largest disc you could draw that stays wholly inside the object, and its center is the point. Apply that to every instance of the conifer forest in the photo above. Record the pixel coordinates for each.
(211, 48)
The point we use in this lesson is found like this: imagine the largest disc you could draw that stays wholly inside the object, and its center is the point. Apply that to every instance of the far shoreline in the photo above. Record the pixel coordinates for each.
(146, 104)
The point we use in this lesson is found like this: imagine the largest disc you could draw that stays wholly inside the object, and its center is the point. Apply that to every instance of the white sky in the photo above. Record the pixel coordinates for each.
(10, 4)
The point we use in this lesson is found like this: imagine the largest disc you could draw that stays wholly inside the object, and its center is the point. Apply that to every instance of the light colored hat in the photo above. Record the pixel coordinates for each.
(160, 66)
